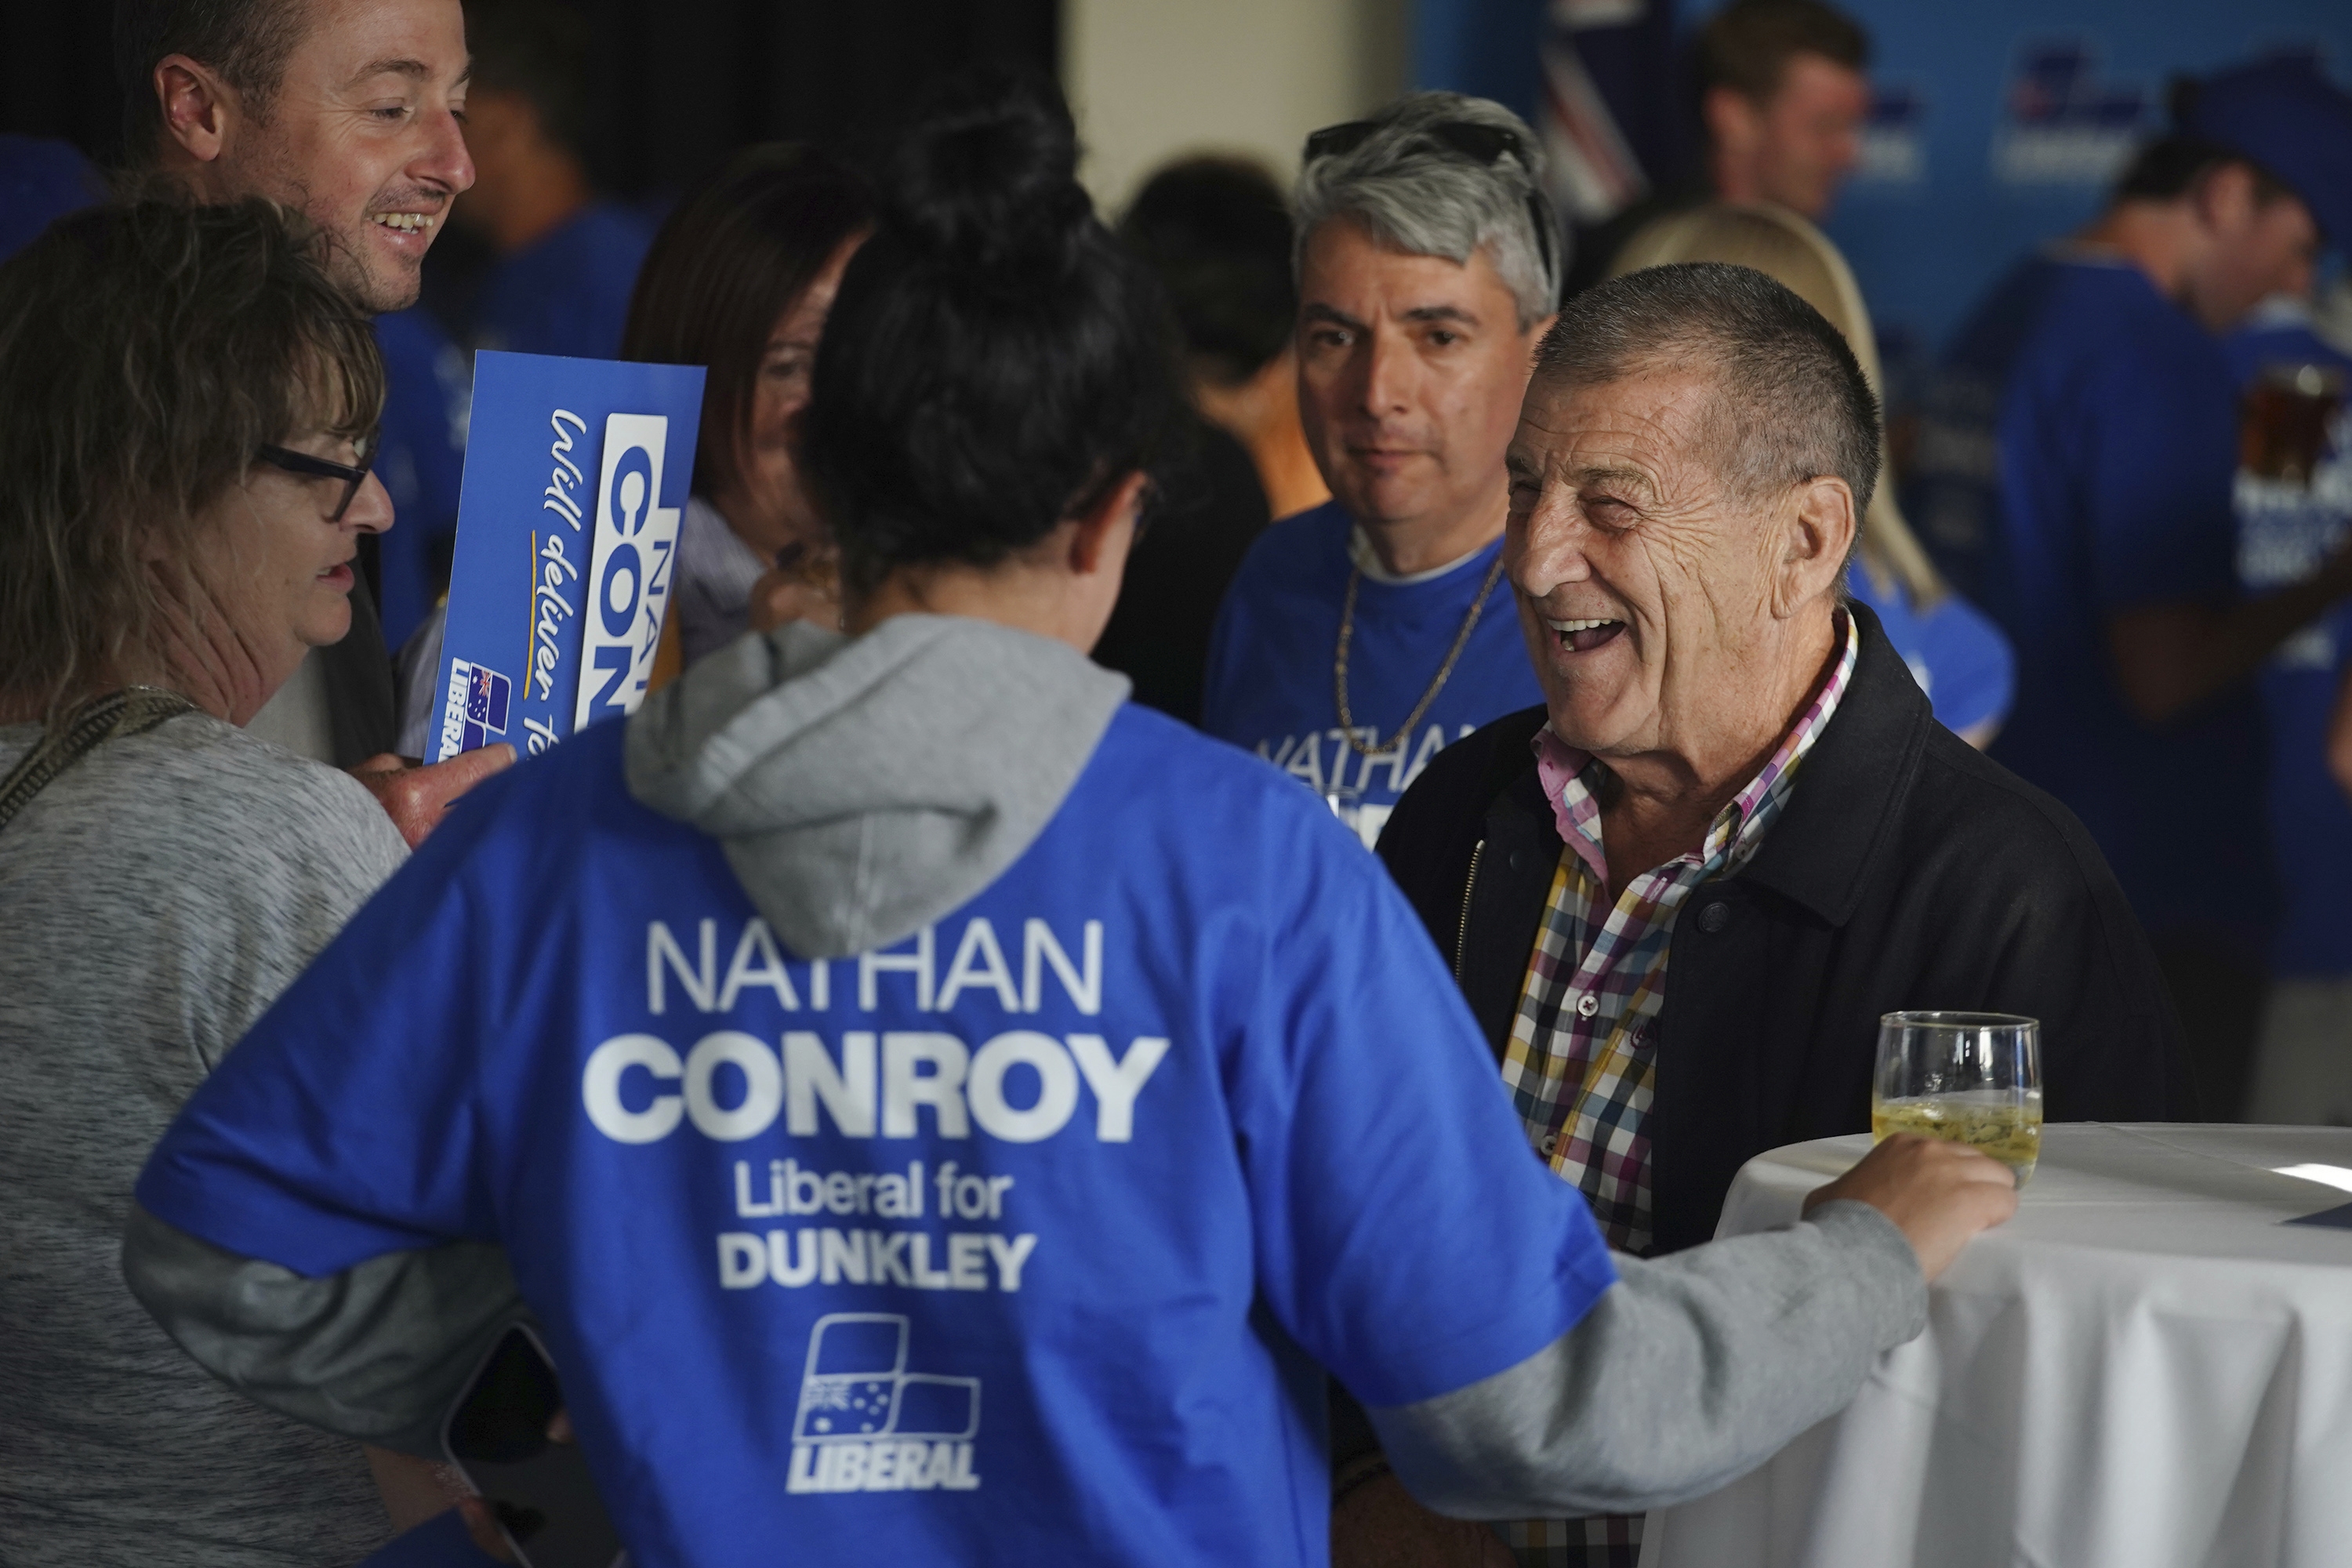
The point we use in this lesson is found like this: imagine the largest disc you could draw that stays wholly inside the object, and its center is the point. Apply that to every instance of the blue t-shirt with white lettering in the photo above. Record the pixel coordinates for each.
(2075, 461)
(1022, 1241)
(2285, 530)
(1272, 660)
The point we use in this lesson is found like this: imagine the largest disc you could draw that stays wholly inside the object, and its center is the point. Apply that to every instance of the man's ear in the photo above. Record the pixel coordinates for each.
(1098, 529)
(2224, 199)
(198, 108)
(1731, 118)
(1820, 535)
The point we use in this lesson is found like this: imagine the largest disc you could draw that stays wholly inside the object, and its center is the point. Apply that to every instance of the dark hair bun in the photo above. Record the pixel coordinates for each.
(995, 362)
(989, 176)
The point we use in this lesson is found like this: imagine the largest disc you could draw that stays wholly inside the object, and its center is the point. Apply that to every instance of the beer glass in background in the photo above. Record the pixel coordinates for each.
(1971, 1077)
(2282, 421)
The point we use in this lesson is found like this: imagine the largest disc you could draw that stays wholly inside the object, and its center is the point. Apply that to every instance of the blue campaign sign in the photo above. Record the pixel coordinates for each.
(576, 476)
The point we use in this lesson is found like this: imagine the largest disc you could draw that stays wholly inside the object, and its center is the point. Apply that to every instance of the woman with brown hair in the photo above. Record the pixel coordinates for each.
(740, 280)
(187, 407)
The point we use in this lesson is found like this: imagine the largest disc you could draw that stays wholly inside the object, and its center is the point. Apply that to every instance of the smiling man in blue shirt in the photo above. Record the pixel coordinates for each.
(1361, 638)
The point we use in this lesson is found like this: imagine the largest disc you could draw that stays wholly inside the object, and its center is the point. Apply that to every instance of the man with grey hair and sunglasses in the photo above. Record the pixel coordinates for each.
(1361, 638)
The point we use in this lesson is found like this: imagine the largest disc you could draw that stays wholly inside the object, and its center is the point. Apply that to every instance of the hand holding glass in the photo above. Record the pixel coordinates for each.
(1971, 1077)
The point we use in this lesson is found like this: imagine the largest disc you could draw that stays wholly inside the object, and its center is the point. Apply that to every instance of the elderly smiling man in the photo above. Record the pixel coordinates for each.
(1733, 770)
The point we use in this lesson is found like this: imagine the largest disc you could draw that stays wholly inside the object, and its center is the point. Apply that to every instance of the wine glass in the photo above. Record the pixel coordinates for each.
(1971, 1077)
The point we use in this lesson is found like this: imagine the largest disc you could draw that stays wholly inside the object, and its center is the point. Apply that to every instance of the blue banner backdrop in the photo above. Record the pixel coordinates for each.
(1998, 124)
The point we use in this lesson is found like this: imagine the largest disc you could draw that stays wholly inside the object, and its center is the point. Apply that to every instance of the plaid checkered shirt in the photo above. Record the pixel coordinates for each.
(1583, 1049)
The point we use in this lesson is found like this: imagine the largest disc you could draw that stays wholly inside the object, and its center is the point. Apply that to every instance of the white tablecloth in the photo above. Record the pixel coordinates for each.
(2143, 1369)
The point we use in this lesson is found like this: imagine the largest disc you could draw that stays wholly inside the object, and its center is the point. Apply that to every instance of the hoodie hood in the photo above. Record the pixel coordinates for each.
(863, 787)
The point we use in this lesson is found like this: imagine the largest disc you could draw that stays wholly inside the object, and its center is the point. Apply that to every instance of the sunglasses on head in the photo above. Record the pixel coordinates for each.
(1467, 138)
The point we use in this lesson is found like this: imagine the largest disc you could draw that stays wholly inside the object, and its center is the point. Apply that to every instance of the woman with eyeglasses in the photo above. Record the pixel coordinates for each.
(185, 408)
(939, 1112)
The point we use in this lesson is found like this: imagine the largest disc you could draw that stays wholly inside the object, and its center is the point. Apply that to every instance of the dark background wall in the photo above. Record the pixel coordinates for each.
(681, 82)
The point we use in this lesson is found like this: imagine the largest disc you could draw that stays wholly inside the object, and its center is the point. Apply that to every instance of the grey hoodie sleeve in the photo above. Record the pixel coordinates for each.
(1692, 1370)
(379, 1353)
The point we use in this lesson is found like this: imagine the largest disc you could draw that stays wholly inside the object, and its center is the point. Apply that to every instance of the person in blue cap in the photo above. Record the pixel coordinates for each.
(2074, 478)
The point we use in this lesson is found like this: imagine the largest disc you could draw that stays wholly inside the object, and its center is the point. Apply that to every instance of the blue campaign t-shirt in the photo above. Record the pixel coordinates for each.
(2284, 532)
(568, 291)
(2075, 461)
(1020, 1242)
(1956, 655)
(421, 458)
(1273, 655)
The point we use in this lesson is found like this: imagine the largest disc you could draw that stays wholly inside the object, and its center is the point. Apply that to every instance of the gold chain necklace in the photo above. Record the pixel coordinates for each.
(1346, 634)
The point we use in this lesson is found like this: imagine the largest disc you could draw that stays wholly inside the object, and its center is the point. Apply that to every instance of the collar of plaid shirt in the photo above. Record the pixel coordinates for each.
(1582, 1052)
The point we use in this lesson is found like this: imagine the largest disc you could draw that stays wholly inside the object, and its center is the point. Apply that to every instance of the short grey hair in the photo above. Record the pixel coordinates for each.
(1415, 195)
(1790, 402)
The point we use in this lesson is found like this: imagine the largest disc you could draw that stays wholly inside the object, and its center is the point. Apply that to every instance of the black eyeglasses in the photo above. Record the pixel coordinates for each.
(1465, 138)
(295, 462)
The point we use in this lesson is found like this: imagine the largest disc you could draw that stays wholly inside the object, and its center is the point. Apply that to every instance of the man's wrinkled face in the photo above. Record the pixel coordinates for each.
(364, 136)
(1642, 583)
(1410, 369)
(1810, 134)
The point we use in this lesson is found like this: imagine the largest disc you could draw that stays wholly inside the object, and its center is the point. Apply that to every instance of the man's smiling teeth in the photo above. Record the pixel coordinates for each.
(1578, 626)
(406, 223)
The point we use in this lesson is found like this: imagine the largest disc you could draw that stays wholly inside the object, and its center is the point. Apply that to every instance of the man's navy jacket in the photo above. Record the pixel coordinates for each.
(1907, 871)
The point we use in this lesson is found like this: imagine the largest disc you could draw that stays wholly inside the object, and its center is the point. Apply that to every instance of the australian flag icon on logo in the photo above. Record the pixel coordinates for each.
(487, 692)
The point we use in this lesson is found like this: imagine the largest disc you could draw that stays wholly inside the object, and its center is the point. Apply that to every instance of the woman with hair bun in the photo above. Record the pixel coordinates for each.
(940, 1112)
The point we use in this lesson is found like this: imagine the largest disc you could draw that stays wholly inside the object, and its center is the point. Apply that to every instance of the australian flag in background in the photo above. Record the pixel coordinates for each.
(1603, 85)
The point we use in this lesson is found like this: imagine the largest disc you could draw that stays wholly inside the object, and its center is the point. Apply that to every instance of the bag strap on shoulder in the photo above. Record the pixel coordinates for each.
(134, 711)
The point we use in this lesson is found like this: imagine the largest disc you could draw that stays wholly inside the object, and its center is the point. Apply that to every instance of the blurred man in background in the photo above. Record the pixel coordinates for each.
(567, 258)
(2073, 478)
(348, 111)
(2294, 502)
(1363, 638)
(1216, 231)
(1782, 100)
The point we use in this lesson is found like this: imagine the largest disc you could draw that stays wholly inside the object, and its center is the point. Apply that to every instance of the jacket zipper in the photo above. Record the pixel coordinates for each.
(1462, 940)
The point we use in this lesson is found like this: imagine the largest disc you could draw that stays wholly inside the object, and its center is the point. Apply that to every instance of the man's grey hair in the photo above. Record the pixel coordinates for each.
(1791, 403)
(1413, 193)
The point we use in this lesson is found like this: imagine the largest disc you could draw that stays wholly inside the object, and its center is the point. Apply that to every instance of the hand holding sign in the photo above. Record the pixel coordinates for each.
(415, 799)
(576, 482)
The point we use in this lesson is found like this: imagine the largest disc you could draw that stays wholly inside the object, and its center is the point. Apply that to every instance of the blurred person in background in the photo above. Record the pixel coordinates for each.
(1957, 655)
(348, 111)
(185, 405)
(2293, 503)
(1681, 892)
(567, 259)
(1361, 638)
(41, 181)
(1288, 1156)
(1217, 232)
(420, 457)
(2073, 478)
(1782, 100)
(738, 281)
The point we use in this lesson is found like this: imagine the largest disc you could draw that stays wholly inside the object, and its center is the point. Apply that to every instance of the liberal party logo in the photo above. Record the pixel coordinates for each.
(475, 713)
(2065, 124)
(866, 1424)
